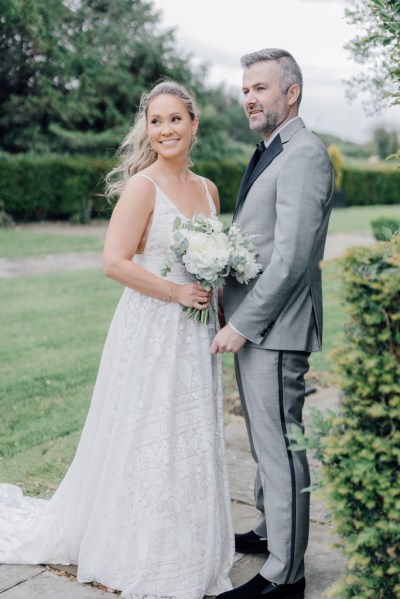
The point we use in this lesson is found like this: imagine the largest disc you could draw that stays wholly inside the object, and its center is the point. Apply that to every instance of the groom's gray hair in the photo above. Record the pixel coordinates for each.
(290, 72)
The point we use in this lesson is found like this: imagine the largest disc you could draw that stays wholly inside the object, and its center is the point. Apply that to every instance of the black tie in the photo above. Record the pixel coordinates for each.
(261, 147)
(275, 147)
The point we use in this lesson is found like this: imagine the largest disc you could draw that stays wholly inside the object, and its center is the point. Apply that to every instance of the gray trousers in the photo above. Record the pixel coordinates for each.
(271, 386)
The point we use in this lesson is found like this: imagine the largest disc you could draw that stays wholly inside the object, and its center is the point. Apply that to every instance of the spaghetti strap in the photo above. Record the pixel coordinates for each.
(146, 177)
(208, 195)
(158, 189)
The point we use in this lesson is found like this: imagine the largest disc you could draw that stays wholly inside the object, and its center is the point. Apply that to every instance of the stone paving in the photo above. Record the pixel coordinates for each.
(324, 565)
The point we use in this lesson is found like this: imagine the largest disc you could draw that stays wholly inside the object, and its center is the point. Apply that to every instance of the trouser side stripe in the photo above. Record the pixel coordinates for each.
(291, 464)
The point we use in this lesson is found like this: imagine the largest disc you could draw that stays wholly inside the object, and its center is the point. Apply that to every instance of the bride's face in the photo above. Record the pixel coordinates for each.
(169, 126)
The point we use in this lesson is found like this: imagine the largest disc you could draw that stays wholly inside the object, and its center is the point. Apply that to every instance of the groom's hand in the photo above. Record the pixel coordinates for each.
(227, 340)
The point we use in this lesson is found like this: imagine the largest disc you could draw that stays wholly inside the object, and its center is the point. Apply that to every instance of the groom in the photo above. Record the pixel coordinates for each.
(275, 321)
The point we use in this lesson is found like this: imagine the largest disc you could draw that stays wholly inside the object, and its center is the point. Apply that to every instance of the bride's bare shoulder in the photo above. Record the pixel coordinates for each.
(138, 189)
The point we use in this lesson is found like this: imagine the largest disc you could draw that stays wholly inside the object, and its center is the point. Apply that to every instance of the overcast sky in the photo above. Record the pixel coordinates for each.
(218, 32)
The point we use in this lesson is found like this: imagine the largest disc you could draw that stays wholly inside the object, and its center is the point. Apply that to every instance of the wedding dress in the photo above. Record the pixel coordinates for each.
(145, 506)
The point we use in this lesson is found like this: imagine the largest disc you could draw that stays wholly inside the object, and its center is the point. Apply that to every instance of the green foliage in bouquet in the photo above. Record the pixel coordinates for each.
(209, 254)
(384, 227)
(359, 445)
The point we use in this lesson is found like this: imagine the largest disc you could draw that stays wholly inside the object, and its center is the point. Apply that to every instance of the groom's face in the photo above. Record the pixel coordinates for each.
(264, 103)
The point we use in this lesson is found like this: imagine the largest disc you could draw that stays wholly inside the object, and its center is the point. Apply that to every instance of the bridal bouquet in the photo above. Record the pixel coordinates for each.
(210, 253)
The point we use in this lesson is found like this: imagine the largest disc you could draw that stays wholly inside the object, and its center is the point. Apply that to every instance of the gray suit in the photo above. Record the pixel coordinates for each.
(284, 201)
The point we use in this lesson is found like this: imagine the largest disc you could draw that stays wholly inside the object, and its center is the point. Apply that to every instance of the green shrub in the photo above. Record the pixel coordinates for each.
(385, 226)
(52, 187)
(371, 187)
(359, 446)
(337, 162)
(227, 175)
(62, 187)
(66, 187)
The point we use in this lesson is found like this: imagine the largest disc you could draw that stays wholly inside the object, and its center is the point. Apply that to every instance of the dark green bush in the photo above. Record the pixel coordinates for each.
(63, 187)
(52, 187)
(371, 187)
(227, 175)
(384, 227)
(359, 446)
(58, 187)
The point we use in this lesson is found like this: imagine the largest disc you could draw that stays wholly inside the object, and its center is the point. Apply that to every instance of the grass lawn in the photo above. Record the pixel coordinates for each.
(18, 243)
(321, 363)
(53, 329)
(354, 219)
(357, 219)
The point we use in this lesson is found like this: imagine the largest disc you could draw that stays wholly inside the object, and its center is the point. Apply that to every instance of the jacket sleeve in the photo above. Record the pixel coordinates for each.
(303, 188)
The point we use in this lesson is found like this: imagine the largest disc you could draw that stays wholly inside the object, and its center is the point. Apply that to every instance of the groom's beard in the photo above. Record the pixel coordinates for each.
(270, 121)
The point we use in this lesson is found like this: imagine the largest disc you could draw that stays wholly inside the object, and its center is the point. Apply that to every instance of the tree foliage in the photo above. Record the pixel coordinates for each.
(72, 73)
(33, 69)
(378, 46)
(74, 67)
(385, 142)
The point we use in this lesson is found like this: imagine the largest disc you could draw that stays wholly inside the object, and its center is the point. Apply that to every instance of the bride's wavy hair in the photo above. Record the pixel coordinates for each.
(135, 151)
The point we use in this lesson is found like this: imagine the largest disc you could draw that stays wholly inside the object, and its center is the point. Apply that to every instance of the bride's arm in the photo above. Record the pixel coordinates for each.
(128, 225)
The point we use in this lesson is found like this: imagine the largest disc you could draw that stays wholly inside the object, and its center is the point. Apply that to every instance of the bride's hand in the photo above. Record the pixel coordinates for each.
(193, 295)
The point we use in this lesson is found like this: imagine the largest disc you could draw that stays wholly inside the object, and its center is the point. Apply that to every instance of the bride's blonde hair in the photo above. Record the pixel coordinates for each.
(135, 151)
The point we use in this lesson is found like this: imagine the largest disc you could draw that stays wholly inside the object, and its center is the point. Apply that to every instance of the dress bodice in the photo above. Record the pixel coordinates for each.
(157, 244)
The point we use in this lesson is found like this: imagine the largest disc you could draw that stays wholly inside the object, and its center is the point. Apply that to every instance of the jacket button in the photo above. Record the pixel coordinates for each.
(267, 330)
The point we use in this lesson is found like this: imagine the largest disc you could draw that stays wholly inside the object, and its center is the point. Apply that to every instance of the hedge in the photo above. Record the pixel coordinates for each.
(54, 187)
(368, 187)
(227, 176)
(59, 187)
(359, 445)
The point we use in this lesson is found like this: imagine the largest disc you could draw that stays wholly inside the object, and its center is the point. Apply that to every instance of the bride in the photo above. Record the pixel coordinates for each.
(145, 506)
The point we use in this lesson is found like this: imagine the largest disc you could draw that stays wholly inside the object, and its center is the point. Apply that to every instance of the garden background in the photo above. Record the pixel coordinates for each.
(70, 80)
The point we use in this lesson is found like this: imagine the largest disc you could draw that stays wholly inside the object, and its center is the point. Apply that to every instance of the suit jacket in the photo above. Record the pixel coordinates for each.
(285, 202)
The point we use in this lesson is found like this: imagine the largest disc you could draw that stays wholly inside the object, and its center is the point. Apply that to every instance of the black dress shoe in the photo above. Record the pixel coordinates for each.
(249, 542)
(260, 588)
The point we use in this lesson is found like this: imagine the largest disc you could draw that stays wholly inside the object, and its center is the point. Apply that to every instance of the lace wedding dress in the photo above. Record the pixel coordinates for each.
(145, 506)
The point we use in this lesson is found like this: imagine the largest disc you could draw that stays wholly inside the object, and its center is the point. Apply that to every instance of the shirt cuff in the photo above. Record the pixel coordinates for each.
(236, 331)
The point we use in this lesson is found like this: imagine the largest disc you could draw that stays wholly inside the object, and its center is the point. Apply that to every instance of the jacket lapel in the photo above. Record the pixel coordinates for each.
(247, 173)
(254, 168)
